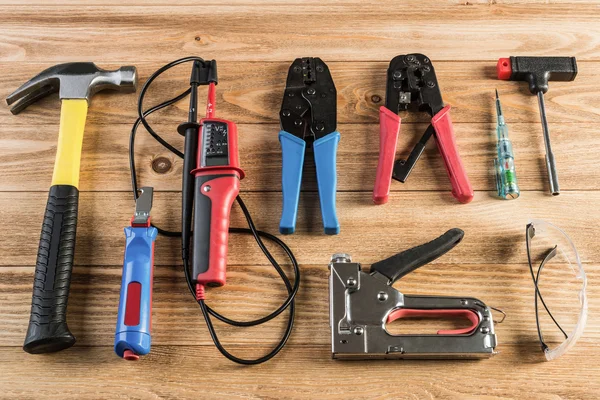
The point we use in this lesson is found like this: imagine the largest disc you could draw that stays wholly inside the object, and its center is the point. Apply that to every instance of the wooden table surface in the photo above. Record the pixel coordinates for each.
(254, 43)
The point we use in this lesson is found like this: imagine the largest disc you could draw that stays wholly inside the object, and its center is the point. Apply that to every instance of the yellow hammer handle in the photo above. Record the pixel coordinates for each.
(70, 138)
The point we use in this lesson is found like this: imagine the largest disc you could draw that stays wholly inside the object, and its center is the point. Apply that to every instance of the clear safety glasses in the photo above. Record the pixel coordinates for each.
(560, 284)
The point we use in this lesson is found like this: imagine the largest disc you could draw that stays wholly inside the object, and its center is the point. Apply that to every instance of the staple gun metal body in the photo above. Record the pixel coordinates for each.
(362, 304)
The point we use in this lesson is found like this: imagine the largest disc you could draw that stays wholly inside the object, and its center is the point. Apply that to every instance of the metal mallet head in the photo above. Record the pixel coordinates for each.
(76, 80)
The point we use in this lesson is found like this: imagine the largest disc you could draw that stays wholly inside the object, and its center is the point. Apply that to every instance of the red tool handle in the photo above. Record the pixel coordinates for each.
(217, 185)
(215, 192)
(389, 128)
(444, 135)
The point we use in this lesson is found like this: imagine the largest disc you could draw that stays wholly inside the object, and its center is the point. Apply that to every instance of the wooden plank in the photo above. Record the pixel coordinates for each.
(298, 373)
(104, 165)
(341, 32)
(253, 291)
(368, 232)
(274, 2)
(252, 93)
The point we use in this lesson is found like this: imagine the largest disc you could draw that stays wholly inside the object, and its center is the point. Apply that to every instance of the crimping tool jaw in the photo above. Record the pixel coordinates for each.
(412, 83)
(308, 109)
(308, 122)
(362, 304)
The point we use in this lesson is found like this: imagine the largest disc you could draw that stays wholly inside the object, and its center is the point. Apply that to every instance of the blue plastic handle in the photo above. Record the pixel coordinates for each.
(292, 157)
(325, 150)
(133, 326)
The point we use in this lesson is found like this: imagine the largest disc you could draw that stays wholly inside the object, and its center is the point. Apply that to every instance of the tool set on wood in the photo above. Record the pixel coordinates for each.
(411, 80)
(362, 304)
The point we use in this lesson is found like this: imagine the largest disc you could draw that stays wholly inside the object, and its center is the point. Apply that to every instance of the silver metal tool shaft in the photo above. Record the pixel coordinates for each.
(550, 164)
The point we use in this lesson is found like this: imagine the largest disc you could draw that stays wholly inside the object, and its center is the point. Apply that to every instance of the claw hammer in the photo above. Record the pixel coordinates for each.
(76, 83)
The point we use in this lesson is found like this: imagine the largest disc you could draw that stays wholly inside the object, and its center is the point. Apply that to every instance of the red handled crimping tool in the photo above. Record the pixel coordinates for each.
(411, 80)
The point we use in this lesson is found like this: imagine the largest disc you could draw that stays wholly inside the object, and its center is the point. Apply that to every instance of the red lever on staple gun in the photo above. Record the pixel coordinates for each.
(411, 79)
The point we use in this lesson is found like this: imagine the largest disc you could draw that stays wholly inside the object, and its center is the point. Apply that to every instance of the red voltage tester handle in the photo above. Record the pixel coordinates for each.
(217, 184)
(444, 137)
(389, 128)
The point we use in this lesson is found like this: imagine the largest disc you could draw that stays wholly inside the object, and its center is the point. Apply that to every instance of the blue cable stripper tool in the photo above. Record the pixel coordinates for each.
(308, 123)
(132, 337)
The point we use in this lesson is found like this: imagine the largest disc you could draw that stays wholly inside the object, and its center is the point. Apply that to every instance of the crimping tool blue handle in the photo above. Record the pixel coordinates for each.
(325, 153)
(308, 117)
(132, 337)
(292, 157)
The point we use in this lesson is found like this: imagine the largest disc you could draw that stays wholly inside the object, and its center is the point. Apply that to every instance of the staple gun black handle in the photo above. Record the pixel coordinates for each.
(395, 267)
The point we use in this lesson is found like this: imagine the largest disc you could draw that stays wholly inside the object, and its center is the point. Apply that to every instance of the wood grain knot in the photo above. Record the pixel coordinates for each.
(161, 165)
(376, 98)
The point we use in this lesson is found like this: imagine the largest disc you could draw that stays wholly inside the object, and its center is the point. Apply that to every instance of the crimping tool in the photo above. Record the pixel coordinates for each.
(411, 80)
(308, 121)
(132, 337)
(362, 304)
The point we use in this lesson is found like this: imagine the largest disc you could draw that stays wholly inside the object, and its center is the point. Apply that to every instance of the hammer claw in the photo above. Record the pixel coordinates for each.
(31, 97)
(35, 84)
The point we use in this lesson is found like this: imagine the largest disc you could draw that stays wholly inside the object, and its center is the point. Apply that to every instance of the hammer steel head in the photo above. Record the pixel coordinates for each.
(77, 80)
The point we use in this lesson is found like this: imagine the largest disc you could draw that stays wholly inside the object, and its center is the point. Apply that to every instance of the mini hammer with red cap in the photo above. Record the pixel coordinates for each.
(537, 71)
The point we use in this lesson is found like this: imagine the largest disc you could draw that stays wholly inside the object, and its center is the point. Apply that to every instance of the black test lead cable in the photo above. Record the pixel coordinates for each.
(258, 235)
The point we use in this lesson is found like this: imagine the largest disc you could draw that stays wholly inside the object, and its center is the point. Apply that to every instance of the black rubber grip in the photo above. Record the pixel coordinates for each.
(202, 221)
(395, 267)
(48, 331)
